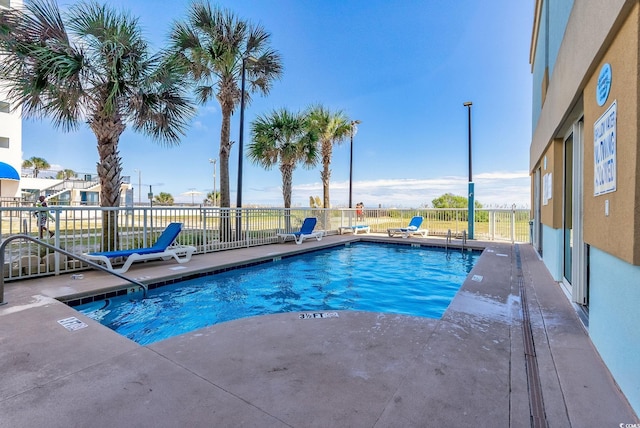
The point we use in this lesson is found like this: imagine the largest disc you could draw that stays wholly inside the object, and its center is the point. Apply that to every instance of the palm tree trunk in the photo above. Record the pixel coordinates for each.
(225, 198)
(225, 149)
(287, 180)
(109, 167)
(325, 175)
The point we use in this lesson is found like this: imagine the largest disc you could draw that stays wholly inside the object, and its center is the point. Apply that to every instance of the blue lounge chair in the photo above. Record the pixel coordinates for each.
(306, 232)
(162, 249)
(412, 229)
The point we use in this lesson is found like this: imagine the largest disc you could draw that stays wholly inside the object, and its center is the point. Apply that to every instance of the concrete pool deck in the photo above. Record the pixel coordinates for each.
(472, 368)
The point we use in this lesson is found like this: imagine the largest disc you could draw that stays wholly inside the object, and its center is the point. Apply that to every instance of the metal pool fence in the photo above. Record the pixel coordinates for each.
(84, 229)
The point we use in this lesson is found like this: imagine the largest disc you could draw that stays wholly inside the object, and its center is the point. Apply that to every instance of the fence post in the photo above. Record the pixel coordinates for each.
(513, 224)
(56, 240)
(492, 225)
(203, 217)
(144, 227)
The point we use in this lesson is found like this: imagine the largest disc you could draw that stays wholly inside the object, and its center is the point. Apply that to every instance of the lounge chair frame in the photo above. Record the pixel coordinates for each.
(412, 229)
(359, 228)
(165, 248)
(306, 232)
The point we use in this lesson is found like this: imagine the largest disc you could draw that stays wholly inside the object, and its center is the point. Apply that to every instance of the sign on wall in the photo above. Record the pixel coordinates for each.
(547, 188)
(604, 85)
(604, 152)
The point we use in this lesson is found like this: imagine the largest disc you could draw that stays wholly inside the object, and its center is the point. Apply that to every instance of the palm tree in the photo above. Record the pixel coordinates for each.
(315, 202)
(38, 164)
(214, 44)
(212, 198)
(92, 65)
(332, 128)
(286, 139)
(65, 174)
(163, 198)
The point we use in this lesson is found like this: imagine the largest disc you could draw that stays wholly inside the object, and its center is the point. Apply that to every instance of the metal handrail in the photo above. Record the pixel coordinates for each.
(65, 252)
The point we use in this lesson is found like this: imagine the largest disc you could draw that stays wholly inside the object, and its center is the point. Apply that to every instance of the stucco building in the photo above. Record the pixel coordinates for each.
(10, 138)
(585, 168)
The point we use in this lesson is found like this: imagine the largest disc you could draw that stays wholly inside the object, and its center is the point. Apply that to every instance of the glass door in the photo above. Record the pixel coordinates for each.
(537, 211)
(567, 222)
(580, 257)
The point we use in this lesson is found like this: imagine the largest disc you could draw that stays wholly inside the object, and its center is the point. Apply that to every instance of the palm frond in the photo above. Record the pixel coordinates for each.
(92, 65)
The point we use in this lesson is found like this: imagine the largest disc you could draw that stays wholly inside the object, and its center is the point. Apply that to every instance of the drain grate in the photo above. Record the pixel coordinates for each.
(536, 403)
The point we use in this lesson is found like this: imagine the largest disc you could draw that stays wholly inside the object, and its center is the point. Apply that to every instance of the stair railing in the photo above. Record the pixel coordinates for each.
(65, 252)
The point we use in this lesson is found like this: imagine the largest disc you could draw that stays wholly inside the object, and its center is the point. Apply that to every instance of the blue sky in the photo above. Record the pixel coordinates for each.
(403, 68)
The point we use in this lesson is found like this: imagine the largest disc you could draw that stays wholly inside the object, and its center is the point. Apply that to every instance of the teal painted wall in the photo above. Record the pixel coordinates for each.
(552, 251)
(614, 320)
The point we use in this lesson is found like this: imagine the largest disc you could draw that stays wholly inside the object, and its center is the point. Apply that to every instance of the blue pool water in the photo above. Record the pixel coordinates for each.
(366, 277)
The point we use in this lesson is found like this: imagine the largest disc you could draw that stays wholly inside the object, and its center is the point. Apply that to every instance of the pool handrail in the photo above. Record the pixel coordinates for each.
(65, 252)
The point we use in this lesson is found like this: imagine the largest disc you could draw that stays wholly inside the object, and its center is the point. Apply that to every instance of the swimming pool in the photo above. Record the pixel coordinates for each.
(399, 279)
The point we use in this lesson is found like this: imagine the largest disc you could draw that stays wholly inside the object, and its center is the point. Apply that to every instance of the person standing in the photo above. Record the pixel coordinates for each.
(43, 216)
(360, 211)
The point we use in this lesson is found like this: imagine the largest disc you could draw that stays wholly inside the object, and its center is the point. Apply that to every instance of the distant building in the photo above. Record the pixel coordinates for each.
(10, 138)
(585, 169)
(81, 190)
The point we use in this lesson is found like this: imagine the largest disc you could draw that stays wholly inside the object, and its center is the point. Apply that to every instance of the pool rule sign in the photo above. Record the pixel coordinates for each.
(604, 137)
(604, 152)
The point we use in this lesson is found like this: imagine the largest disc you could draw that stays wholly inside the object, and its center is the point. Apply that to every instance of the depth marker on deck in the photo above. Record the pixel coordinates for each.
(72, 324)
(315, 315)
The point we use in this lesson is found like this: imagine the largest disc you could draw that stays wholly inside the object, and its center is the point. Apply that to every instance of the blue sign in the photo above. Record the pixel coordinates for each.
(604, 84)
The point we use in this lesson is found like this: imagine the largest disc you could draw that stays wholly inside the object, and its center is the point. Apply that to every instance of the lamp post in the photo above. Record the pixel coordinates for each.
(139, 185)
(354, 129)
(241, 137)
(213, 161)
(471, 202)
(241, 143)
(241, 133)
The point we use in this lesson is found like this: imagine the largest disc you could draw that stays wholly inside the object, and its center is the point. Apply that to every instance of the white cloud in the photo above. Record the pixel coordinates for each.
(200, 126)
(207, 110)
(493, 189)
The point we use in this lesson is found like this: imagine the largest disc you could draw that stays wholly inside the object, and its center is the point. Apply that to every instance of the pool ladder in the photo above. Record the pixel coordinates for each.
(464, 240)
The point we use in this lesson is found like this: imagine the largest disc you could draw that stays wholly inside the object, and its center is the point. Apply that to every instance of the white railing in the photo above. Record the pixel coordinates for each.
(83, 229)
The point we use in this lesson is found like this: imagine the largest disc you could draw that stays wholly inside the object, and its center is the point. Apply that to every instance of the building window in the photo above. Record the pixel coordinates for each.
(5, 107)
(4, 142)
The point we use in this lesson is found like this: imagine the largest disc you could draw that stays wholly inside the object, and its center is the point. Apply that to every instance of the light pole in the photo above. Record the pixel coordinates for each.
(213, 161)
(241, 133)
(241, 138)
(354, 129)
(471, 202)
(139, 185)
(241, 143)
